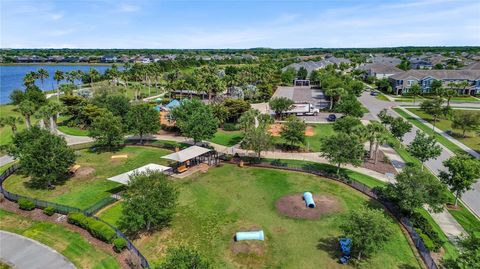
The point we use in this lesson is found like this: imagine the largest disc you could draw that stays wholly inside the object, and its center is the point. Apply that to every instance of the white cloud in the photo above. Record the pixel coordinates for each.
(125, 7)
(56, 16)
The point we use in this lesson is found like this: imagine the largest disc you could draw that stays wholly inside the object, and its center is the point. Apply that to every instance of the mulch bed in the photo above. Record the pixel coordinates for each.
(381, 166)
(293, 206)
(37, 214)
(84, 171)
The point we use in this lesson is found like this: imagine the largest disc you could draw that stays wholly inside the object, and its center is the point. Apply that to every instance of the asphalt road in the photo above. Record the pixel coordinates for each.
(25, 253)
(470, 198)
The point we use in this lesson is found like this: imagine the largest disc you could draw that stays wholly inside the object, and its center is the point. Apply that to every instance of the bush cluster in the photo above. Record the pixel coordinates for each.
(25, 204)
(119, 244)
(49, 211)
(430, 237)
(95, 227)
(230, 126)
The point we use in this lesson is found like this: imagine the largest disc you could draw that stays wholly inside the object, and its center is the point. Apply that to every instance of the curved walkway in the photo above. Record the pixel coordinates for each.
(25, 253)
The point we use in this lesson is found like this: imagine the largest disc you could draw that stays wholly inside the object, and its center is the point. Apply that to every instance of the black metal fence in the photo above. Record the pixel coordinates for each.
(63, 209)
(329, 173)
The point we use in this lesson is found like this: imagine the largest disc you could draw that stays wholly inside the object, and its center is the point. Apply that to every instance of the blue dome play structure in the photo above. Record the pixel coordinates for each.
(254, 235)
(345, 245)
(308, 198)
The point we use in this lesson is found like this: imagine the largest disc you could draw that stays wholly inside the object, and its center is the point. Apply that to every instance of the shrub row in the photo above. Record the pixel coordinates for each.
(95, 227)
(25, 204)
(430, 237)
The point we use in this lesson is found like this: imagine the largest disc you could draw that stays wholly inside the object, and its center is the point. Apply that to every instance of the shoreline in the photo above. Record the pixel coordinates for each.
(59, 64)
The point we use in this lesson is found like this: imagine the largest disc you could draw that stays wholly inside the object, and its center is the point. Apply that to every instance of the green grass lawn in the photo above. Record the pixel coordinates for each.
(112, 213)
(215, 205)
(471, 140)
(382, 97)
(442, 140)
(84, 191)
(227, 138)
(70, 244)
(72, 130)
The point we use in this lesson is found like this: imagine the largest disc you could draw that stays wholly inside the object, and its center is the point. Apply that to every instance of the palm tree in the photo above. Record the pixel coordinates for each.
(381, 139)
(451, 91)
(247, 120)
(27, 109)
(42, 75)
(55, 109)
(58, 76)
(12, 121)
(334, 94)
(29, 79)
(94, 76)
(376, 134)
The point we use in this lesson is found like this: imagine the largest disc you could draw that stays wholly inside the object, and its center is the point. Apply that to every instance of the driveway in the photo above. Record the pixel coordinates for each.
(470, 198)
(25, 253)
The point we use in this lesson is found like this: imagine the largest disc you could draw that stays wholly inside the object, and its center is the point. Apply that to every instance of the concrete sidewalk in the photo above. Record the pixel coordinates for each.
(25, 253)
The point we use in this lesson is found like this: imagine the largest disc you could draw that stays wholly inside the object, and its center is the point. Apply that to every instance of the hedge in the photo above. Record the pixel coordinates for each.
(95, 227)
(49, 211)
(119, 244)
(25, 204)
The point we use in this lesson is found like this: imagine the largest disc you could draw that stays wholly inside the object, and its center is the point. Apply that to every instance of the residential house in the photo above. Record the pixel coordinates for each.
(109, 59)
(379, 70)
(419, 63)
(311, 65)
(385, 60)
(403, 81)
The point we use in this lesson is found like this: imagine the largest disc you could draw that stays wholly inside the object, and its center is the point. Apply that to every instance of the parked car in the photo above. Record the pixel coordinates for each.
(373, 93)
(331, 117)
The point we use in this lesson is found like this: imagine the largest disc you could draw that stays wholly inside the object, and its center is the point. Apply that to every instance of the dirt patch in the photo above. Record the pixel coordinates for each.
(309, 131)
(276, 128)
(382, 166)
(293, 206)
(248, 248)
(84, 171)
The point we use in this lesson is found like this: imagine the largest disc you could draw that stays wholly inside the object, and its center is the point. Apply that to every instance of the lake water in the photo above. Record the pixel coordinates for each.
(11, 76)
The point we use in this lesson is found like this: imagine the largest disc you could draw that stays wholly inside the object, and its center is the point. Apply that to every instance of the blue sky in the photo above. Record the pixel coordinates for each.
(237, 24)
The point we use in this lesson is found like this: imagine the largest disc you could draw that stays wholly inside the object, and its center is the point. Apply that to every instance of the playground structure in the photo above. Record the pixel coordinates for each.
(253, 235)
(308, 198)
(345, 245)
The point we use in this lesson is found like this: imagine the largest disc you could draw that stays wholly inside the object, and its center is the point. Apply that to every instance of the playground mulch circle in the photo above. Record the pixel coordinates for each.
(84, 171)
(293, 206)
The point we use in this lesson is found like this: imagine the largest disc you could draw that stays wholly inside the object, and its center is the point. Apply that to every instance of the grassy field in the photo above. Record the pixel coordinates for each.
(70, 244)
(382, 97)
(227, 138)
(83, 191)
(442, 140)
(112, 213)
(215, 205)
(471, 140)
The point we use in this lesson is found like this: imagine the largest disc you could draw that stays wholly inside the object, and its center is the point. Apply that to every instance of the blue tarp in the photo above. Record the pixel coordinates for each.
(172, 104)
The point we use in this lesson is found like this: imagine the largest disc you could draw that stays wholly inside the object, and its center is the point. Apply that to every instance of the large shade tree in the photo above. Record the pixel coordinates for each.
(43, 156)
(149, 203)
(195, 120)
(342, 149)
(142, 120)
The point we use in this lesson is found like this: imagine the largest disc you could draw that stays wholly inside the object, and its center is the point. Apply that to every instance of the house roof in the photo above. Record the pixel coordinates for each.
(439, 74)
(474, 66)
(186, 154)
(380, 68)
(125, 177)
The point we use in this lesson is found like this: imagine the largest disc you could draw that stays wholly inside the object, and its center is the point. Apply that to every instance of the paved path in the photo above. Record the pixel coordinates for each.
(25, 253)
(470, 198)
(444, 134)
